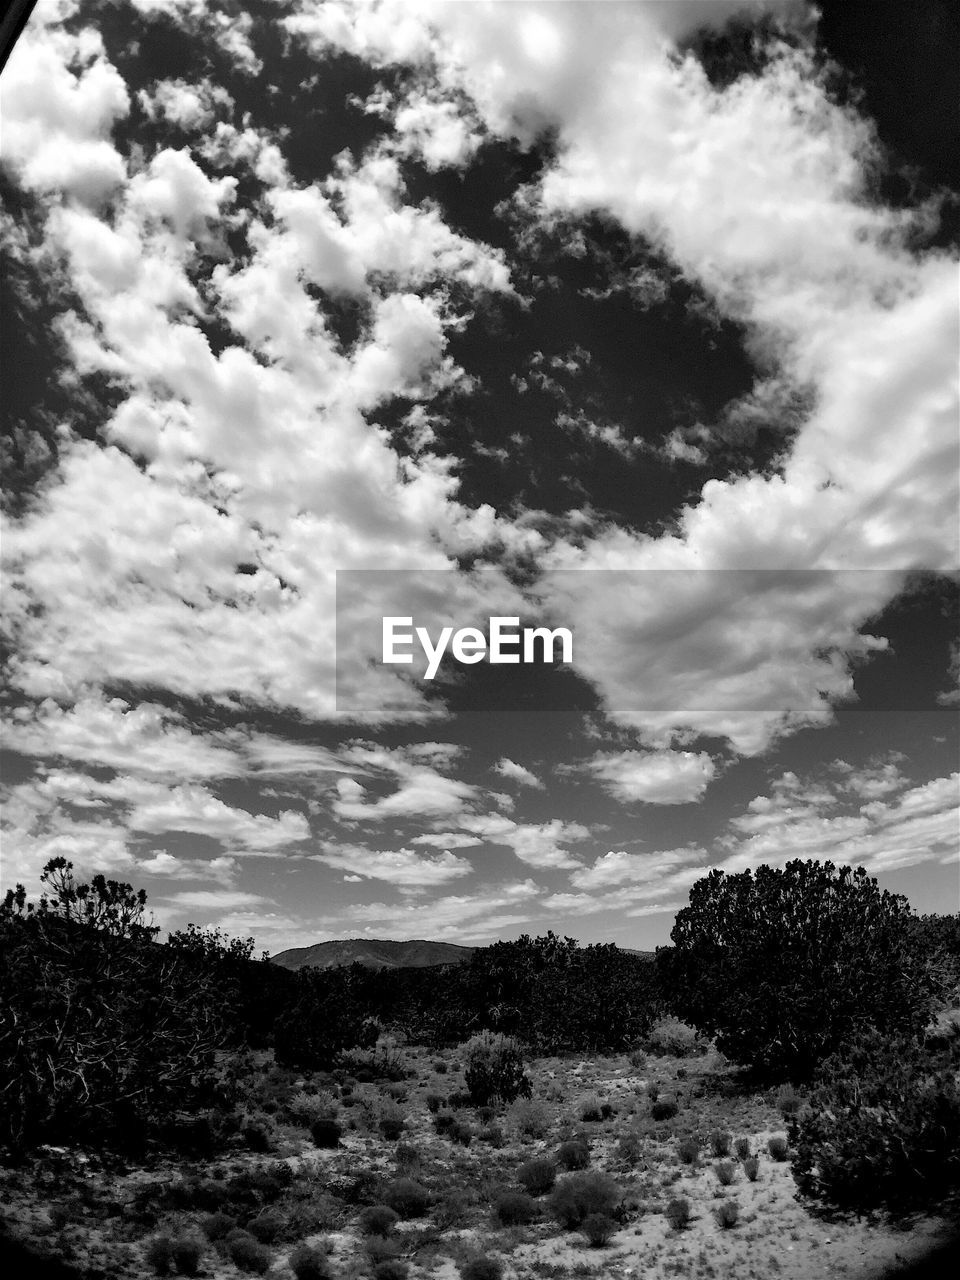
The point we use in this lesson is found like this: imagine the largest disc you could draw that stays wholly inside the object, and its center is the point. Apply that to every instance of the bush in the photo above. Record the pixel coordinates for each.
(672, 1038)
(309, 1263)
(390, 1269)
(599, 1229)
(266, 1226)
(629, 1146)
(304, 1108)
(751, 1167)
(381, 1249)
(688, 1150)
(515, 1209)
(408, 1198)
(730, 973)
(664, 1108)
(678, 1212)
(742, 1148)
(532, 1118)
(248, 1254)
(537, 1176)
(725, 1173)
(578, 1195)
(378, 1220)
(789, 1101)
(494, 1069)
(881, 1127)
(574, 1154)
(728, 1214)
(720, 1142)
(492, 1134)
(434, 1102)
(777, 1147)
(326, 1133)
(392, 1123)
(159, 1254)
(460, 1131)
(187, 1252)
(590, 1108)
(215, 1226)
(484, 1268)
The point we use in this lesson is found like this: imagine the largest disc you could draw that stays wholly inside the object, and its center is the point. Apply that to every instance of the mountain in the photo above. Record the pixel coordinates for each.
(376, 954)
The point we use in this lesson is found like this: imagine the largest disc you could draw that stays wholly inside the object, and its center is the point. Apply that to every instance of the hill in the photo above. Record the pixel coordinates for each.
(374, 953)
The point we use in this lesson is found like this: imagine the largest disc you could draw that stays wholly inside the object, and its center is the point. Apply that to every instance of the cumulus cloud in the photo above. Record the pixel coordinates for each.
(403, 867)
(517, 772)
(653, 777)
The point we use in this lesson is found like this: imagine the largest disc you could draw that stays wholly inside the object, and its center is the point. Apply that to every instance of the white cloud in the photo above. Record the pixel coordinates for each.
(517, 772)
(403, 867)
(537, 844)
(653, 777)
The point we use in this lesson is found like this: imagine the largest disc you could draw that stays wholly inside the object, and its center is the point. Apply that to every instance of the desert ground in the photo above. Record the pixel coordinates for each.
(274, 1202)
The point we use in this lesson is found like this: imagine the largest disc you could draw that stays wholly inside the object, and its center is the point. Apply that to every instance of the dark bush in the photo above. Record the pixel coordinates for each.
(390, 1269)
(881, 1127)
(725, 1172)
(484, 1268)
(665, 1107)
(720, 1142)
(408, 1198)
(434, 1102)
(326, 1133)
(599, 1229)
(742, 1148)
(378, 1220)
(187, 1253)
(247, 1254)
(754, 950)
(159, 1254)
(514, 1209)
(688, 1149)
(578, 1195)
(309, 1263)
(678, 1212)
(573, 1154)
(777, 1146)
(392, 1126)
(216, 1226)
(537, 1176)
(727, 1214)
(494, 1069)
(257, 1137)
(266, 1226)
(751, 1167)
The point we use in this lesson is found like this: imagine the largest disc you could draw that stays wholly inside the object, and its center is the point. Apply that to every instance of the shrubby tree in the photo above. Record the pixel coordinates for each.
(783, 965)
(881, 1127)
(102, 1031)
(328, 1012)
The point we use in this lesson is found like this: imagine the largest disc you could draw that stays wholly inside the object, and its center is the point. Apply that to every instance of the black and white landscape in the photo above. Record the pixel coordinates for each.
(341, 332)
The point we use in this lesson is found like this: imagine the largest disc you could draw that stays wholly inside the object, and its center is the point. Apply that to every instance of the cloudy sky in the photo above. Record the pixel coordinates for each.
(636, 318)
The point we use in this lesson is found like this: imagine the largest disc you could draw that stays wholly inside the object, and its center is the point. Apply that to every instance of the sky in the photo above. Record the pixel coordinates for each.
(638, 319)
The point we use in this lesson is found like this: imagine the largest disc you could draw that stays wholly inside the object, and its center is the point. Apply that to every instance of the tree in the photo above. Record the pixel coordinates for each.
(783, 965)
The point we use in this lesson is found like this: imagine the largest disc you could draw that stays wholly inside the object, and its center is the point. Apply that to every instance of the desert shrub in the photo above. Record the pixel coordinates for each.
(573, 1154)
(727, 1214)
(434, 1102)
(304, 1108)
(742, 1148)
(378, 1219)
(267, 1226)
(672, 1038)
(730, 973)
(514, 1209)
(590, 1108)
(494, 1069)
(629, 1146)
(326, 1133)
(247, 1254)
(537, 1176)
(187, 1252)
(725, 1172)
(751, 1167)
(491, 1134)
(637, 1059)
(397, 1091)
(443, 1122)
(665, 1107)
(381, 1249)
(461, 1131)
(408, 1198)
(599, 1229)
(407, 1158)
(720, 1142)
(482, 1268)
(440, 1067)
(459, 1099)
(217, 1225)
(307, 1262)
(777, 1146)
(531, 1118)
(258, 1135)
(789, 1101)
(392, 1123)
(391, 1269)
(688, 1150)
(678, 1212)
(577, 1195)
(881, 1127)
(159, 1254)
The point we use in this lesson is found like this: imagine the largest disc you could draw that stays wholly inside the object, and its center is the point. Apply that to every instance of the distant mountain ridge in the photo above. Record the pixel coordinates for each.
(374, 953)
(385, 953)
